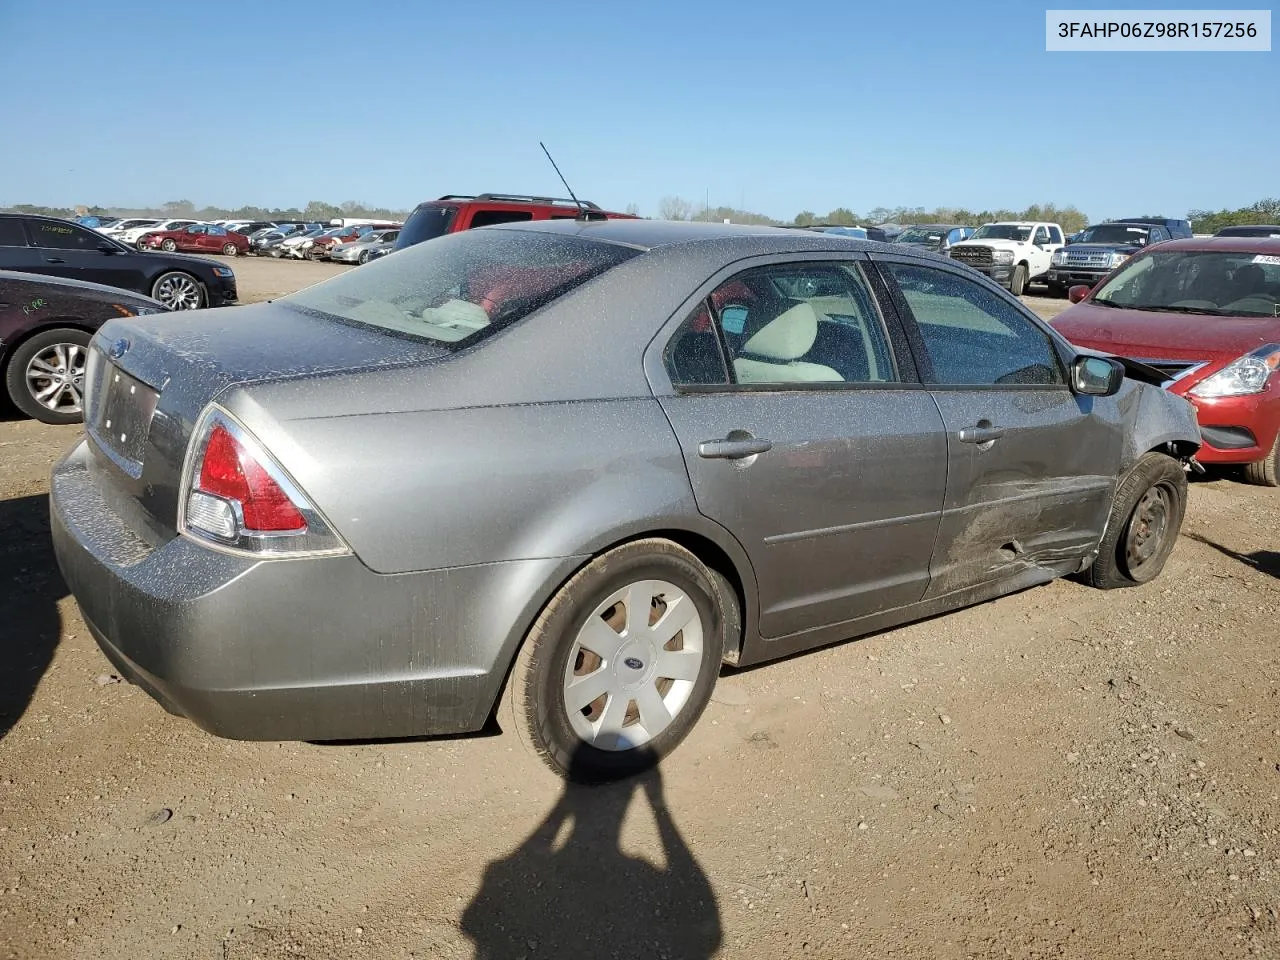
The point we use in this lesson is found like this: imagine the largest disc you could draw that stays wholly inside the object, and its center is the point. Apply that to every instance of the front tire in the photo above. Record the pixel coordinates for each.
(45, 375)
(1265, 472)
(168, 246)
(1018, 282)
(621, 663)
(1057, 291)
(1143, 527)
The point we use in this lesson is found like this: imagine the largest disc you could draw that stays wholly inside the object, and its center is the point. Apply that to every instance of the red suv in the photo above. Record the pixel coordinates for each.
(453, 213)
(1206, 313)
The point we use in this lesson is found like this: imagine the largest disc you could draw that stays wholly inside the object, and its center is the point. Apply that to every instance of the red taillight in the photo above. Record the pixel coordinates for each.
(230, 471)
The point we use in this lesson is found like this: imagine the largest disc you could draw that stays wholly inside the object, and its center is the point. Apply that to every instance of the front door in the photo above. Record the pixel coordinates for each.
(812, 445)
(1032, 465)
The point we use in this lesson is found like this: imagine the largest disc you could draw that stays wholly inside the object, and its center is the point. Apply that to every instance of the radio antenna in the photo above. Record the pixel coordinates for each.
(583, 212)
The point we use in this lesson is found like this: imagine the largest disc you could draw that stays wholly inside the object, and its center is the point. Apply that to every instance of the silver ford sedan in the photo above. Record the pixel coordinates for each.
(559, 473)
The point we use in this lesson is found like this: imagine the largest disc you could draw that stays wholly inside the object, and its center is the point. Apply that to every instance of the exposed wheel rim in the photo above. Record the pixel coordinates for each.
(633, 665)
(55, 377)
(178, 291)
(1148, 528)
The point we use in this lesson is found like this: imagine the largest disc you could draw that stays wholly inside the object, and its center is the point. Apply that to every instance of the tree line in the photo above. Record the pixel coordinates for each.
(678, 208)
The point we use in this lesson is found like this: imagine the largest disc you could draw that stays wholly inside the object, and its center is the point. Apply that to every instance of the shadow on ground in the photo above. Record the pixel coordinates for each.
(30, 588)
(1267, 561)
(570, 891)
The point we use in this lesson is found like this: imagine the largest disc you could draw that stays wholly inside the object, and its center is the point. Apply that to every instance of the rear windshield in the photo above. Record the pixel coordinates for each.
(459, 288)
(426, 223)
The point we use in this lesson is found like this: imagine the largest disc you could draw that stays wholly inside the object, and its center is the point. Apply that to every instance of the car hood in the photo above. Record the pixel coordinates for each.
(1174, 336)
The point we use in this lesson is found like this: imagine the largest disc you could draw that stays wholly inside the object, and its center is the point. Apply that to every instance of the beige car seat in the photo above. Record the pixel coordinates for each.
(772, 354)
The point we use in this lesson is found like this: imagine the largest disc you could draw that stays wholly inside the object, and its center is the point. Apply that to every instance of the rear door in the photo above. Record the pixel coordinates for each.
(70, 250)
(15, 252)
(815, 445)
(1032, 466)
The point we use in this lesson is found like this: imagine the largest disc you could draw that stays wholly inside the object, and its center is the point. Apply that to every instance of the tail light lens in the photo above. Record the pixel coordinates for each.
(236, 497)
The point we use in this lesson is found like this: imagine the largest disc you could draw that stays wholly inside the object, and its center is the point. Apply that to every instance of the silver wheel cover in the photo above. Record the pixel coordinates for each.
(633, 665)
(178, 291)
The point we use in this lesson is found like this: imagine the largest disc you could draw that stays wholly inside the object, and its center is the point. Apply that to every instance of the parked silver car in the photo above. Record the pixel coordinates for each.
(366, 248)
(586, 463)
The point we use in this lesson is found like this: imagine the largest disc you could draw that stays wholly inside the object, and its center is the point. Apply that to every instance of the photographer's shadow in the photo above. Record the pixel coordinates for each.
(581, 896)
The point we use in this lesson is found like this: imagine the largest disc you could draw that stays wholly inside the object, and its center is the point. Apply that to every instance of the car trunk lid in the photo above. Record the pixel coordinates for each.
(150, 378)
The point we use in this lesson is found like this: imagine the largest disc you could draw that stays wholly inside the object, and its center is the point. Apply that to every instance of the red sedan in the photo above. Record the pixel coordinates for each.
(1207, 314)
(199, 238)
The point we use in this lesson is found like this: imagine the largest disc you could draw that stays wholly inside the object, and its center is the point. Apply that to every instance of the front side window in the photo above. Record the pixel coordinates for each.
(791, 323)
(1197, 281)
(464, 286)
(971, 334)
(1042, 236)
(56, 235)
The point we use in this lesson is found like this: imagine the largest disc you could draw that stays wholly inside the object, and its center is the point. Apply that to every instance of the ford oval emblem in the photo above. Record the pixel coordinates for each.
(635, 663)
(118, 348)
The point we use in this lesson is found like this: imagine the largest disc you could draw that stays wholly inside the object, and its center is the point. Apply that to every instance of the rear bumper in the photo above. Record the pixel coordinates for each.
(305, 649)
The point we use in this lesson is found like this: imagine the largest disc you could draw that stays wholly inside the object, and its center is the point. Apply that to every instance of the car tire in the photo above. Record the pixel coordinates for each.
(1056, 290)
(1265, 472)
(229, 249)
(168, 246)
(23, 380)
(609, 737)
(1018, 282)
(1143, 527)
(179, 290)
(363, 257)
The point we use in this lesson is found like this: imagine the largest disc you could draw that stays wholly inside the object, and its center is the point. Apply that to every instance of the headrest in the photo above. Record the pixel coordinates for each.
(789, 336)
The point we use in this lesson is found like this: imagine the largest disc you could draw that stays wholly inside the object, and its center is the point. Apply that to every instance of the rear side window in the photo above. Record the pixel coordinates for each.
(464, 286)
(426, 223)
(487, 218)
(11, 234)
(63, 236)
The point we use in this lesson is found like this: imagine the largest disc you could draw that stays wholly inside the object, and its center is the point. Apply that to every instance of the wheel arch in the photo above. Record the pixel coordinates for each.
(9, 347)
(712, 546)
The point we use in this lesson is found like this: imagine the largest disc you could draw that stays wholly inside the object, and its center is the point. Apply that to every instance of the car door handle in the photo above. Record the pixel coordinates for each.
(982, 432)
(733, 449)
(54, 260)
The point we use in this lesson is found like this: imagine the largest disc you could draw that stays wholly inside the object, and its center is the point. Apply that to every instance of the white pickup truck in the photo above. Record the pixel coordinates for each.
(1012, 254)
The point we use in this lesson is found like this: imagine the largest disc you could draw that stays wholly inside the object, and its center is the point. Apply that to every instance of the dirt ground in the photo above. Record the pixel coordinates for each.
(1060, 773)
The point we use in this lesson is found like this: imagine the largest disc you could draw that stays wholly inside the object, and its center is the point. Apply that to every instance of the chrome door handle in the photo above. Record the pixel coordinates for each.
(733, 449)
(54, 260)
(980, 433)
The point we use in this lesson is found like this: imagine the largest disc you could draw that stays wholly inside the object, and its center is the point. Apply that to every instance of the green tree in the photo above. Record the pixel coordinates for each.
(805, 218)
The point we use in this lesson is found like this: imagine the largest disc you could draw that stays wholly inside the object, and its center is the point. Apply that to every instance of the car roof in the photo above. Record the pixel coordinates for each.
(1269, 246)
(654, 234)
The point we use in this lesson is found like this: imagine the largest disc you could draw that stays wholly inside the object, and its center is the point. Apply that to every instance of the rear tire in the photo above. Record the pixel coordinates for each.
(229, 249)
(168, 246)
(1143, 527)
(641, 713)
(1265, 472)
(26, 375)
(1057, 291)
(1018, 282)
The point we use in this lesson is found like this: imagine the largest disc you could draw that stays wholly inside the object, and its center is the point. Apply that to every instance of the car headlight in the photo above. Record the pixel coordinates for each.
(1242, 377)
(1119, 258)
(1059, 258)
(1002, 256)
(223, 272)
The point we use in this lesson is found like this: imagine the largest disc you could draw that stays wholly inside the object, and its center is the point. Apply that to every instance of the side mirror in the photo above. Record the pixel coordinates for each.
(106, 246)
(1096, 376)
(1078, 292)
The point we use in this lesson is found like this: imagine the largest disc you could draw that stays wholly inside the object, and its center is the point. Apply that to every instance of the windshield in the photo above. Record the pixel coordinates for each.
(425, 223)
(462, 287)
(1197, 281)
(1115, 233)
(920, 235)
(1002, 231)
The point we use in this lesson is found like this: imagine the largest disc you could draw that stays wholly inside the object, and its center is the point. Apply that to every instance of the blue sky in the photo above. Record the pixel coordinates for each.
(778, 106)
